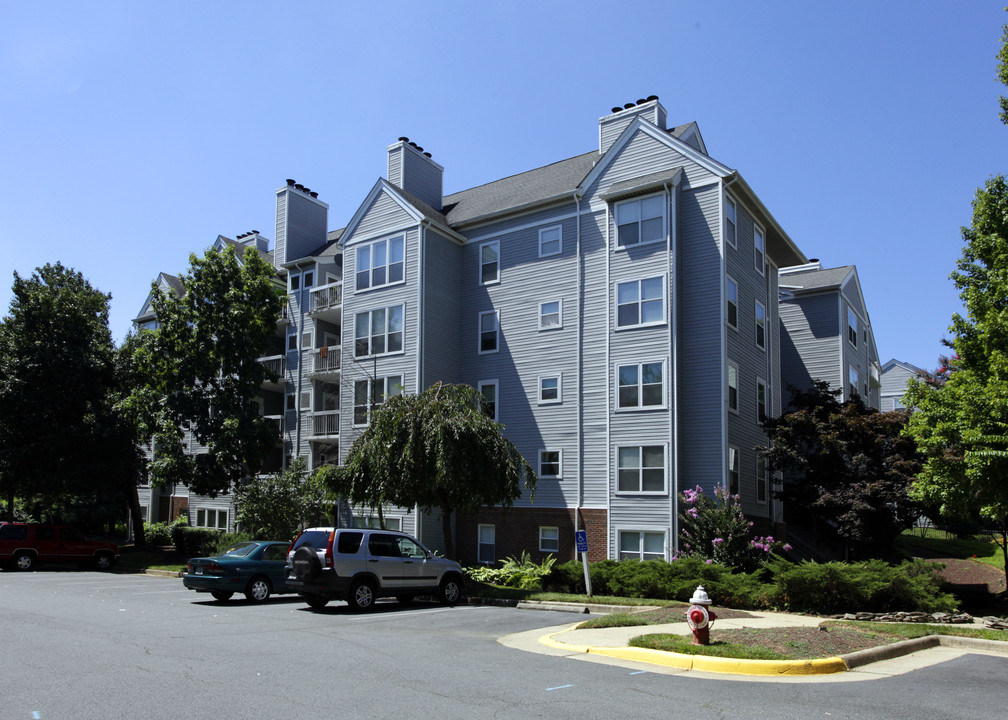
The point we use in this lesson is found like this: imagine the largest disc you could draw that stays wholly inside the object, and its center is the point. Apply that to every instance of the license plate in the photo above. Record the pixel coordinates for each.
(199, 571)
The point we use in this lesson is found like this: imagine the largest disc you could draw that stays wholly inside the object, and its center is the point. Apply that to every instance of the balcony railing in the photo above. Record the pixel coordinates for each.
(325, 423)
(325, 360)
(274, 363)
(326, 297)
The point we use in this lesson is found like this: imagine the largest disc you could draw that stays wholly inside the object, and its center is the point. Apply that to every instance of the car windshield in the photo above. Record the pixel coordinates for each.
(240, 550)
(317, 539)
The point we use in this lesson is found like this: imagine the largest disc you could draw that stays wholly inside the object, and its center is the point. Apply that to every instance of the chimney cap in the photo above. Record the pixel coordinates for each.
(641, 101)
(298, 186)
(652, 97)
(313, 194)
(628, 106)
(290, 182)
(617, 109)
(426, 154)
(403, 138)
(255, 232)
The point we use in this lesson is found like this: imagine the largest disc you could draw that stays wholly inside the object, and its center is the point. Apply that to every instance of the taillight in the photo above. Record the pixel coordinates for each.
(328, 550)
(189, 568)
(215, 569)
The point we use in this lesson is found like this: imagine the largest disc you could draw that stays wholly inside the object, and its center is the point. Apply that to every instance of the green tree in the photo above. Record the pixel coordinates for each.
(276, 506)
(61, 435)
(959, 424)
(437, 449)
(848, 469)
(198, 373)
(1002, 71)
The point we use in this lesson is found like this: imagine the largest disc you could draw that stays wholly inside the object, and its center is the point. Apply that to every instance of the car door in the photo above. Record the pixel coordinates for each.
(274, 561)
(417, 571)
(45, 542)
(385, 560)
(73, 545)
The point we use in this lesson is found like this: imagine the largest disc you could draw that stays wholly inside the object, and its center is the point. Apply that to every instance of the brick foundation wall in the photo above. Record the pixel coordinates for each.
(517, 530)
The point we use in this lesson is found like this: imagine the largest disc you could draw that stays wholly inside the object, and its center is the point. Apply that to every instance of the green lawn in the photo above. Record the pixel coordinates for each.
(939, 544)
(150, 560)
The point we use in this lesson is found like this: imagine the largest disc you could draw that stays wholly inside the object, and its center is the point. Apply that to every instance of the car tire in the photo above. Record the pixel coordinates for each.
(258, 590)
(104, 560)
(450, 590)
(23, 561)
(315, 602)
(221, 596)
(362, 595)
(306, 565)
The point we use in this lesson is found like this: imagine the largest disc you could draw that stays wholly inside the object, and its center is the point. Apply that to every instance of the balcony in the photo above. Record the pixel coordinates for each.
(324, 424)
(323, 361)
(325, 301)
(276, 364)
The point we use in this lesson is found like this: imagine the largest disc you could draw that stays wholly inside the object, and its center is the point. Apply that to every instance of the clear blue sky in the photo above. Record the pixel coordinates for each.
(135, 133)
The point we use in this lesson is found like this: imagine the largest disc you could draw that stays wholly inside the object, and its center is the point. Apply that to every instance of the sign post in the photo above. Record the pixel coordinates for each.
(581, 538)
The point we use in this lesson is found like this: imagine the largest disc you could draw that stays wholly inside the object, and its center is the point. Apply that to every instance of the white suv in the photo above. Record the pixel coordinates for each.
(361, 565)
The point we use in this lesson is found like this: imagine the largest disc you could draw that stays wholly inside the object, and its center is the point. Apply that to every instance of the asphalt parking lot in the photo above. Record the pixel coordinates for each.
(93, 645)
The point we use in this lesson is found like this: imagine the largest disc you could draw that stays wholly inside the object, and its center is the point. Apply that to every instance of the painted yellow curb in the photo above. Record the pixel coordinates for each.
(706, 663)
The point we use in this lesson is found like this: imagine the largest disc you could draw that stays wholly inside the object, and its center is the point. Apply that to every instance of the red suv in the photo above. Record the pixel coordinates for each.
(24, 544)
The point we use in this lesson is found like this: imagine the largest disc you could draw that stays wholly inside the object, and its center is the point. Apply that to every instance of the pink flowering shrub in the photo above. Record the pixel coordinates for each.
(715, 530)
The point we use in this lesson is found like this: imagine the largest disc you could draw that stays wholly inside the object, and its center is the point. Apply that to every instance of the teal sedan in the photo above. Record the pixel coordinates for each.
(254, 568)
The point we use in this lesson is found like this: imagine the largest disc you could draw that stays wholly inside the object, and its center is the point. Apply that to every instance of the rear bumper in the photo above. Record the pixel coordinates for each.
(212, 583)
(328, 585)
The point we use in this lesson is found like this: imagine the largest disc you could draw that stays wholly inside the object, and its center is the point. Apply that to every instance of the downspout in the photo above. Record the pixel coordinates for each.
(725, 183)
(674, 347)
(421, 242)
(580, 366)
(608, 382)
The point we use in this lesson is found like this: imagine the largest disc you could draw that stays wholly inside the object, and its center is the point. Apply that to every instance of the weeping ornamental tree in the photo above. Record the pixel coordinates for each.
(437, 449)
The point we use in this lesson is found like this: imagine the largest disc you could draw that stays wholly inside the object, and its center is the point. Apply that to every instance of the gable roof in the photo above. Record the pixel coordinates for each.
(814, 279)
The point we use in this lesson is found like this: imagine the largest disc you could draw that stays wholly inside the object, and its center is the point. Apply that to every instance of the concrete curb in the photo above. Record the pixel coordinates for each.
(582, 608)
(779, 668)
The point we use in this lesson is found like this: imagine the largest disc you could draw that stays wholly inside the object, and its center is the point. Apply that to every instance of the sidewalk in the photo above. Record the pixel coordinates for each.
(611, 645)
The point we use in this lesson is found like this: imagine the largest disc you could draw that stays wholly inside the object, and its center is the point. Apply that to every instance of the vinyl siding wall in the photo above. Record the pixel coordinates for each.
(810, 340)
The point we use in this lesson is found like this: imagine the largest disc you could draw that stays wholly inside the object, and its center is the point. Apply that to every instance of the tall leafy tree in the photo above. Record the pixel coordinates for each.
(961, 424)
(276, 506)
(437, 449)
(198, 372)
(60, 432)
(848, 469)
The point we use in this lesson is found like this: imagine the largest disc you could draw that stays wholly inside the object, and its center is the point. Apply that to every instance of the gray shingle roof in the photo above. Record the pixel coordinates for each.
(816, 279)
(521, 190)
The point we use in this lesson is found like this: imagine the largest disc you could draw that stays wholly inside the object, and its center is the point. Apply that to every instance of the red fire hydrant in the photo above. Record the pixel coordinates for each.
(699, 617)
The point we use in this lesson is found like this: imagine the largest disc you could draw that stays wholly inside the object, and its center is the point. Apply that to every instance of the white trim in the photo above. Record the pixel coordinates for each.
(549, 527)
(387, 240)
(640, 529)
(640, 468)
(479, 332)
(559, 229)
(479, 262)
(640, 301)
(495, 383)
(559, 452)
(559, 388)
(640, 220)
(558, 326)
(640, 407)
(371, 353)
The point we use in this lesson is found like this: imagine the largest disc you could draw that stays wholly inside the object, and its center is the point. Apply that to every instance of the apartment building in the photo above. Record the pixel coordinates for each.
(895, 376)
(617, 310)
(826, 332)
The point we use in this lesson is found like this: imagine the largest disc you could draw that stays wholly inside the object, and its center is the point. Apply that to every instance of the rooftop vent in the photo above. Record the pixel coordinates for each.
(290, 182)
(313, 194)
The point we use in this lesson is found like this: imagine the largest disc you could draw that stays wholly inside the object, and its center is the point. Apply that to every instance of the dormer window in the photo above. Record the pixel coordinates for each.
(640, 221)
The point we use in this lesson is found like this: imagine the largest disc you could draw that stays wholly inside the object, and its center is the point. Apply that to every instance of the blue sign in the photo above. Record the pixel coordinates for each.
(581, 538)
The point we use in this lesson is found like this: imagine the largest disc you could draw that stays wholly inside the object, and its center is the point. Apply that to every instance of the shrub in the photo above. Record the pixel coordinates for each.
(157, 533)
(218, 542)
(520, 572)
(194, 542)
(715, 529)
(871, 586)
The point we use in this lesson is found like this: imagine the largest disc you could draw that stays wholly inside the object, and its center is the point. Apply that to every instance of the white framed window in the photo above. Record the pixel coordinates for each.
(212, 518)
(381, 263)
(550, 464)
(549, 539)
(640, 221)
(489, 331)
(488, 390)
(291, 403)
(307, 279)
(731, 302)
(307, 339)
(761, 478)
(852, 379)
(370, 395)
(487, 541)
(641, 545)
(292, 342)
(640, 469)
(729, 221)
(640, 385)
(640, 302)
(294, 282)
(373, 523)
(489, 263)
(306, 398)
(761, 400)
(733, 471)
(759, 249)
(732, 387)
(760, 325)
(378, 331)
(852, 327)
(551, 315)
(550, 389)
(551, 241)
